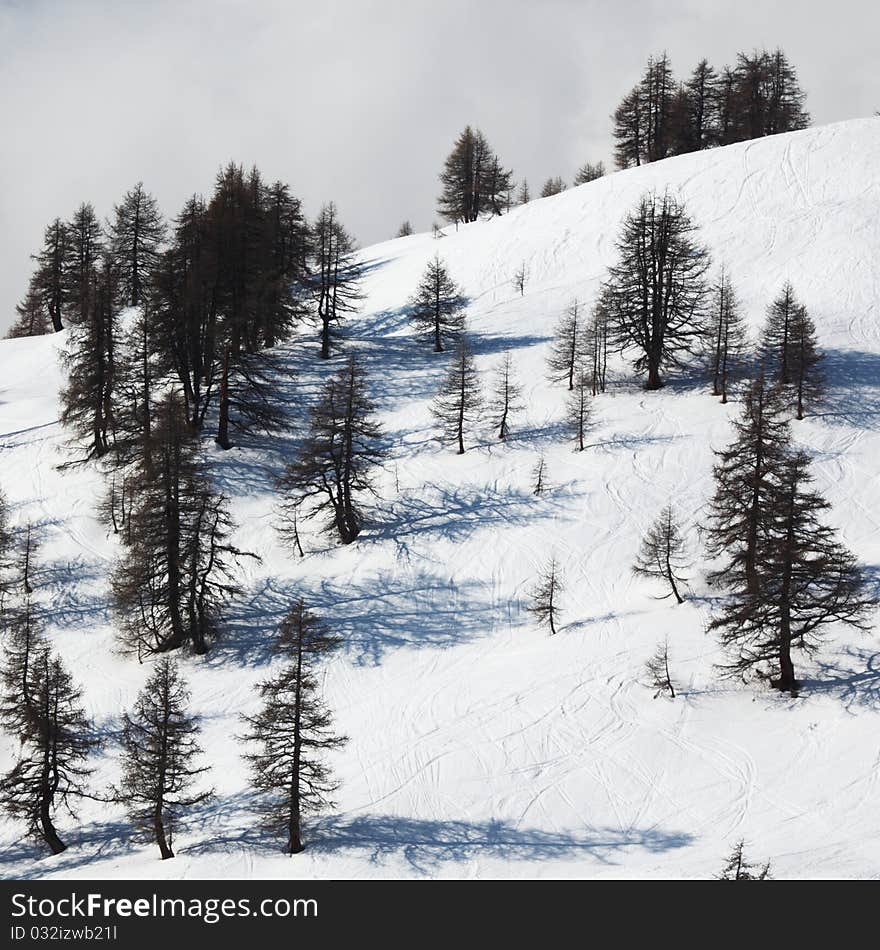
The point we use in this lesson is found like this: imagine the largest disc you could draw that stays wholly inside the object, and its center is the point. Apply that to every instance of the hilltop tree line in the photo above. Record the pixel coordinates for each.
(759, 95)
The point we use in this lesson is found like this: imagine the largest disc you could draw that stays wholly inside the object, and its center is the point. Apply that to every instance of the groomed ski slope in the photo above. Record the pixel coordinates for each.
(481, 747)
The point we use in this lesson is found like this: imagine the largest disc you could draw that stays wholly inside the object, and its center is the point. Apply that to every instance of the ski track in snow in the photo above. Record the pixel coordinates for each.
(479, 745)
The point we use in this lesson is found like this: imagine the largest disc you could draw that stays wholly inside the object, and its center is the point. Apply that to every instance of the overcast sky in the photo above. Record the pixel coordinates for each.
(357, 101)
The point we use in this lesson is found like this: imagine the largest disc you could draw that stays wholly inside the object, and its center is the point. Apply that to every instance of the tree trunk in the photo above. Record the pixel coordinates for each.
(159, 829)
(50, 835)
(655, 381)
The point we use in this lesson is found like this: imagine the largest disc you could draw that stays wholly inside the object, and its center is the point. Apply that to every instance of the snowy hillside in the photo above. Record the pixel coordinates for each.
(478, 745)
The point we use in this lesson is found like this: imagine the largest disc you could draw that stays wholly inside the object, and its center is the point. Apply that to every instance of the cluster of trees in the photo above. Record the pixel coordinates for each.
(211, 295)
(162, 763)
(659, 117)
(475, 183)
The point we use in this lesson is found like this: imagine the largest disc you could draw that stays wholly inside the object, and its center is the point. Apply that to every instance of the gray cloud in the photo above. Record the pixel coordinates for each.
(355, 100)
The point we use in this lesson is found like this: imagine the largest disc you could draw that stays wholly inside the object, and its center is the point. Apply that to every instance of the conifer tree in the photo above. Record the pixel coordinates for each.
(506, 397)
(437, 307)
(175, 570)
(83, 246)
(88, 405)
(539, 477)
(726, 336)
(579, 411)
(663, 554)
(805, 579)
(405, 230)
(589, 172)
(520, 278)
(160, 757)
(22, 627)
(135, 236)
(546, 594)
(473, 179)
(596, 347)
(459, 401)
(569, 346)
(523, 196)
(553, 186)
(746, 479)
(738, 869)
(657, 669)
(292, 731)
(49, 277)
(50, 770)
(181, 311)
(655, 293)
(33, 319)
(335, 275)
(806, 372)
(630, 131)
(332, 471)
(776, 342)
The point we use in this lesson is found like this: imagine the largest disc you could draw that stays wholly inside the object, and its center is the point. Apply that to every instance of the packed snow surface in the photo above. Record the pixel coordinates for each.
(480, 746)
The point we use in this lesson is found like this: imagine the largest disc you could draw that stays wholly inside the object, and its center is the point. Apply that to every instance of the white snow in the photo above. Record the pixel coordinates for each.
(479, 746)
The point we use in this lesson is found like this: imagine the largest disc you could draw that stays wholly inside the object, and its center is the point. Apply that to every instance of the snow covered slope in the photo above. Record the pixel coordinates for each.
(480, 746)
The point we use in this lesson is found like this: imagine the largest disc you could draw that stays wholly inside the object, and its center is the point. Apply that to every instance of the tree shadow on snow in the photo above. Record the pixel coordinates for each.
(382, 612)
(852, 395)
(426, 845)
(855, 681)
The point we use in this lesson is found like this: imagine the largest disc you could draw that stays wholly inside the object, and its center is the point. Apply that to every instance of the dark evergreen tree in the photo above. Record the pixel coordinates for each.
(437, 307)
(630, 130)
(174, 573)
(539, 477)
(738, 869)
(473, 179)
(805, 580)
(160, 757)
(545, 595)
(663, 554)
(50, 770)
(702, 100)
(569, 348)
(579, 411)
(292, 731)
(33, 320)
(776, 342)
(22, 627)
(655, 292)
(88, 405)
(335, 274)
(726, 339)
(523, 196)
(332, 470)
(805, 365)
(459, 401)
(553, 186)
(135, 237)
(83, 254)
(181, 312)
(506, 397)
(657, 669)
(520, 278)
(589, 172)
(405, 230)
(49, 277)
(746, 479)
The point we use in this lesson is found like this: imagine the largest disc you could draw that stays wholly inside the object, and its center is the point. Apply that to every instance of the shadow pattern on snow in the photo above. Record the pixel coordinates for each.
(428, 844)
(852, 395)
(381, 613)
(855, 683)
